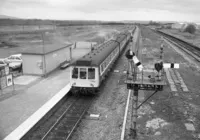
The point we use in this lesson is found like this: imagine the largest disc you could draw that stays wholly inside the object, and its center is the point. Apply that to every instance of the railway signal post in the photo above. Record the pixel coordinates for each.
(136, 82)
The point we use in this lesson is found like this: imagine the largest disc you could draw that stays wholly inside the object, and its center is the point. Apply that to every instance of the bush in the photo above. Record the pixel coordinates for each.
(168, 27)
(190, 29)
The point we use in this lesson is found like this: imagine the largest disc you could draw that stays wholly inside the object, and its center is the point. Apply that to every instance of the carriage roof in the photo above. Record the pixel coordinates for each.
(97, 56)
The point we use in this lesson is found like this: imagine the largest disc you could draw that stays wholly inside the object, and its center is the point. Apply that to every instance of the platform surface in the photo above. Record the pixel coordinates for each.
(25, 79)
(16, 109)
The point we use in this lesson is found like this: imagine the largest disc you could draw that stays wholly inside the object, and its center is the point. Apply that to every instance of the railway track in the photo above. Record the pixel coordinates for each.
(62, 122)
(190, 49)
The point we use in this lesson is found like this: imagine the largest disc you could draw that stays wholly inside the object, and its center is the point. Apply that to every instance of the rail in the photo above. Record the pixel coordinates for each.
(190, 49)
(62, 123)
(68, 121)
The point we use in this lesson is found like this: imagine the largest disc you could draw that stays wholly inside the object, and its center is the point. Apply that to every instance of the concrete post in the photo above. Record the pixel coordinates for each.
(70, 53)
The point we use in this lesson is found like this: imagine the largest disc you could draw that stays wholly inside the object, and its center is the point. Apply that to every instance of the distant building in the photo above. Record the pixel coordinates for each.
(178, 25)
(42, 60)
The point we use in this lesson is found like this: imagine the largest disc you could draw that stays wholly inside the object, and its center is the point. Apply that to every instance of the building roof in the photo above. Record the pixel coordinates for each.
(97, 56)
(41, 50)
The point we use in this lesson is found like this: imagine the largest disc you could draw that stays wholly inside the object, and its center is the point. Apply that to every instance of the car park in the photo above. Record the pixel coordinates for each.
(14, 62)
(2, 63)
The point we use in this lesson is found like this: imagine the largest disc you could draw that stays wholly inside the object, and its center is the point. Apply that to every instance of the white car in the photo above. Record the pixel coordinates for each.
(2, 63)
(14, 61)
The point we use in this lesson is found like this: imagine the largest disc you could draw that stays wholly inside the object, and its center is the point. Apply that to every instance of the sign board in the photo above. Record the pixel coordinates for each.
(9, 80)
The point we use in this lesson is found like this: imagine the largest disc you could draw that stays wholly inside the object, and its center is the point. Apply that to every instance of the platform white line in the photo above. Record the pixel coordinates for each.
(21, 130)
(183, 85)
(125, 116)
(171, 82)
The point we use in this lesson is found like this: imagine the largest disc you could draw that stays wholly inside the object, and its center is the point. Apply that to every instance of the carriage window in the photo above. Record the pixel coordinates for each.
(83, 73)
(104, 64)
(91, 73)
(101, 67)
(75, 73)
(106, 61)
(112, 54)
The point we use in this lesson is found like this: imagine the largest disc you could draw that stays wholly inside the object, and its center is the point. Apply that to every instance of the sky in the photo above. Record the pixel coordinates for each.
(107, 10)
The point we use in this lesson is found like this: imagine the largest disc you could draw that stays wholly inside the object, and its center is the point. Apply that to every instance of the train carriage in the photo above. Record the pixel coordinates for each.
(88, 72)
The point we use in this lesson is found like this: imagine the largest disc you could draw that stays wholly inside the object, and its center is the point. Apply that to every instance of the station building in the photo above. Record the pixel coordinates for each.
(41, 60)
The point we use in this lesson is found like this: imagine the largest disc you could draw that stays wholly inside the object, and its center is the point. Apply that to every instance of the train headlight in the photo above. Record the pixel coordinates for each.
(73, 84)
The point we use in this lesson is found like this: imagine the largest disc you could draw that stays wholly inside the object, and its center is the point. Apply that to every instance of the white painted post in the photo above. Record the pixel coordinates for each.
(134, 113)
(125, 116)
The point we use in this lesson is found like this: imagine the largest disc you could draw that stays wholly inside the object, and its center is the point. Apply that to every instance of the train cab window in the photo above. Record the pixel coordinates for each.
(91, 73)
(83, 73)
(75, 73)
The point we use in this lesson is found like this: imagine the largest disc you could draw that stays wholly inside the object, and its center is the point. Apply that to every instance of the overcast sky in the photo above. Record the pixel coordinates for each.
(162, 10)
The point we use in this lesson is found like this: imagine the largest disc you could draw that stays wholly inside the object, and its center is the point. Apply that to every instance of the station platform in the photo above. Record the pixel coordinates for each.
(19, 108)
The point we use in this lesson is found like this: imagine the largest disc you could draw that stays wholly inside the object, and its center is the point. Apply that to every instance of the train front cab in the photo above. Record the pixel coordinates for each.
(84, 78)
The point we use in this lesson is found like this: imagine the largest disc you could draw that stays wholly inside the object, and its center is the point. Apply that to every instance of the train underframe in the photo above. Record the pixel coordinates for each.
(84, 90)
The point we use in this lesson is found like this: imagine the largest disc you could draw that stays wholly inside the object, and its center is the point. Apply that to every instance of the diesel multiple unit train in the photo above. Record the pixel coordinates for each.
(88, 72)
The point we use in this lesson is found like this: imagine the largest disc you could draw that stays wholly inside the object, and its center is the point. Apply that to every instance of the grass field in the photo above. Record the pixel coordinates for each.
(15, 39)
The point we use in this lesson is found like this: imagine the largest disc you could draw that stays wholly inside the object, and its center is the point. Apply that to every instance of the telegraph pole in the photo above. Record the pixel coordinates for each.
(44, 60)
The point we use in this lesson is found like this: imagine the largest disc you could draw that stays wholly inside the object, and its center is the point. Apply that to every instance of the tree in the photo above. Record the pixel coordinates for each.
(190, 29)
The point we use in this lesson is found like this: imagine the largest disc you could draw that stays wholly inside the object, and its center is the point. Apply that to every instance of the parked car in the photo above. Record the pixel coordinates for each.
(65, 64)
(2, 62)
(14, 62)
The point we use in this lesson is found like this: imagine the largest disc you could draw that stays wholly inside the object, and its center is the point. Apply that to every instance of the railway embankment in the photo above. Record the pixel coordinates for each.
(191, 38)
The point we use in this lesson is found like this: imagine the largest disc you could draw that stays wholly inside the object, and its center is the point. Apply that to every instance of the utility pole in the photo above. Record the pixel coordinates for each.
(44, 58)
(70, 51)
